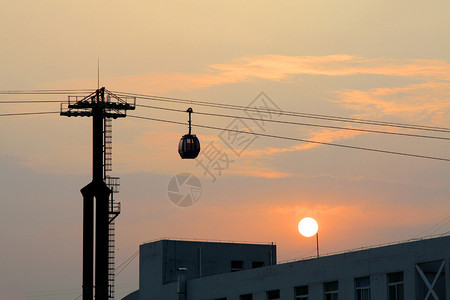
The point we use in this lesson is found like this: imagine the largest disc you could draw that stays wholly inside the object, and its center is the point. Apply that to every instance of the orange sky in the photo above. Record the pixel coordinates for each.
(378, 60)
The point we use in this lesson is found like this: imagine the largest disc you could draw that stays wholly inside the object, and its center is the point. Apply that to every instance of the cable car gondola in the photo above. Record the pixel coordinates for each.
(189, 146)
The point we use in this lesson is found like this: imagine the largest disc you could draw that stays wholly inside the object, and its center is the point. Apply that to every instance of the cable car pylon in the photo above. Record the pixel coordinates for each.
(189, 146)
(100, 108)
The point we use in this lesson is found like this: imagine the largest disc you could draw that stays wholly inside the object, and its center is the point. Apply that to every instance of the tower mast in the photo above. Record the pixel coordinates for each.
(100, 105)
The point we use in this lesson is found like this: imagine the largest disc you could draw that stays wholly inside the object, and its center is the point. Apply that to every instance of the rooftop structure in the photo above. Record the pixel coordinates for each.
(227, 271)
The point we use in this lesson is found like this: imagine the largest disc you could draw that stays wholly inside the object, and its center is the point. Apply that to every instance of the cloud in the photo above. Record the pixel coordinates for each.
(254, 162)
(254, 169)
(273, 68)
(155, 151)
(278, 67)
(320, 136)
(418, 102)
(426, 102)
(348, 225)
(352, 223)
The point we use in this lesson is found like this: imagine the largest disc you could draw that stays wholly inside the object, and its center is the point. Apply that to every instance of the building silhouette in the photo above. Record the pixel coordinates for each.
(191, 270)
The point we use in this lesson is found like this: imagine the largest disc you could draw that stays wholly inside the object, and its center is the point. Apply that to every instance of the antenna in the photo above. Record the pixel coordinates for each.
(98, 72)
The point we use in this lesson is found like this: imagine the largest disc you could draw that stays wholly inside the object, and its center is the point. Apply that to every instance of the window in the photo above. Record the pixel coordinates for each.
(431, 280)
(273, 295)
(362, 288)
(301, 292)
(331, 290)
(237, 265)
(246, 297)
(258, 264)
(395, 286)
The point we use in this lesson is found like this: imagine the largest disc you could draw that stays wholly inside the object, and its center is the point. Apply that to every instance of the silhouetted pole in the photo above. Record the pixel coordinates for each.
(101, 241)
(317, 242)
(101, 192)
(88, 242)
(98, 189)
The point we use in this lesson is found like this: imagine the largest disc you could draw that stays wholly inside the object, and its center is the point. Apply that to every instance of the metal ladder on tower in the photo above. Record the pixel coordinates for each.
(114, 210)
(114, 207)
(107, 145)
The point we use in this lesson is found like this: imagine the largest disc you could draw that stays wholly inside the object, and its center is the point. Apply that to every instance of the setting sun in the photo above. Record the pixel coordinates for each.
(308, 227)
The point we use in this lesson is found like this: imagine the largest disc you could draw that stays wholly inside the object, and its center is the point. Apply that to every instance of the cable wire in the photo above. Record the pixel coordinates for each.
(126, 262)
(237, 107)
(434, 226)
(298, 123)
(288, 113)
(44, 92)
(440, 227)
(29, 101)
(134, 256)
(300, 140)
(29, 113)
(131, 257)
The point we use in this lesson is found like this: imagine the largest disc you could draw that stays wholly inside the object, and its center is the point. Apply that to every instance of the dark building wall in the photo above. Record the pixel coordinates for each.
(159, 261)
(204, 259)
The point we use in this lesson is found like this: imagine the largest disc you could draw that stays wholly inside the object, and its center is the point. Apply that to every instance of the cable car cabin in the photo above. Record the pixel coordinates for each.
(189, 146)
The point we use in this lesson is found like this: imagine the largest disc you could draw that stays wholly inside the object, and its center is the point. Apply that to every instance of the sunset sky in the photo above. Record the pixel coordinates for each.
(378, 60)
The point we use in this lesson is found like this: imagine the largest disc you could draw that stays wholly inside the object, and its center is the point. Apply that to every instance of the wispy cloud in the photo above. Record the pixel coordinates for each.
(278, 67)
(320, 136)
(274, 68)
(254, 168)
(426, 101)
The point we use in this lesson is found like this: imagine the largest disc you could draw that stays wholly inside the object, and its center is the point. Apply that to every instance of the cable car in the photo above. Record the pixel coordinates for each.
(189, 146)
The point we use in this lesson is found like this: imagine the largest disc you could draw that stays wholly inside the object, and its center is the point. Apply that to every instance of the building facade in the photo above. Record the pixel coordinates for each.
(416, 270)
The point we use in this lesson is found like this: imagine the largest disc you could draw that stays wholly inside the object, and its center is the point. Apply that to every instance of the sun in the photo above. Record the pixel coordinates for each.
(308, 227)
